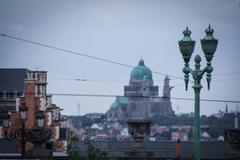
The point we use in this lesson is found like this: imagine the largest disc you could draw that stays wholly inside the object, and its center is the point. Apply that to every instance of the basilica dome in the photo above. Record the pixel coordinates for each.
(141, 72)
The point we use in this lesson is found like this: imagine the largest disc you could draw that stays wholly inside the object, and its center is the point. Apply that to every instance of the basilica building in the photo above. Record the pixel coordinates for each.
(141, 98)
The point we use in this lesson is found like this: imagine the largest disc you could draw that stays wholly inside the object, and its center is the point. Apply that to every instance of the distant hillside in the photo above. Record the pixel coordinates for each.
(216, 125)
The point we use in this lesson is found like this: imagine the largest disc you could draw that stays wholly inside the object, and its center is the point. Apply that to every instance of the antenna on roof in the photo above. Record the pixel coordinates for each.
(78, 108)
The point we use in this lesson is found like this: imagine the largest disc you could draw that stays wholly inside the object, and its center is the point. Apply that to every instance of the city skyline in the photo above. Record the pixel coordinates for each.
(121, 31)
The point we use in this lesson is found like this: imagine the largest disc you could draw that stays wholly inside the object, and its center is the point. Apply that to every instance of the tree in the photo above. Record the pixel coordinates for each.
(93, 153)
(73, 153)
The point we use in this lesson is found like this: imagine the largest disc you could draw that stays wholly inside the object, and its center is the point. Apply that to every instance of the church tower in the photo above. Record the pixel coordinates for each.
(167, 89)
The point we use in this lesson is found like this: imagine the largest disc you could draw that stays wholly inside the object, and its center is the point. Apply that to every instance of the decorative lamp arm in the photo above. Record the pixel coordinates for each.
(208, 69)
(186, 70)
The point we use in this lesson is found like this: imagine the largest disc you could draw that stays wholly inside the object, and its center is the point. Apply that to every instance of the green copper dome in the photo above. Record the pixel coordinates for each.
(141, 72)
(114, 105)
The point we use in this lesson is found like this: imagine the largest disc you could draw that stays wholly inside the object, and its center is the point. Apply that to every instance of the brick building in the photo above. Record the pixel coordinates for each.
(34, 96)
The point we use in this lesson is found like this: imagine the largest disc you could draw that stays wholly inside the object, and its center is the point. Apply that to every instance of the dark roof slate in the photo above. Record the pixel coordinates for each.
(12, 79)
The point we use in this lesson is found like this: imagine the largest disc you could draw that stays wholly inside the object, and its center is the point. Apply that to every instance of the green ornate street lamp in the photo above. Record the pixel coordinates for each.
(209, 46)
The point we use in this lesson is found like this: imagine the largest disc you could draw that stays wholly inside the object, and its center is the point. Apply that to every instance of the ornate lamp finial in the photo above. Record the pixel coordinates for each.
(187, 32)
(209, 30)
(209, 33)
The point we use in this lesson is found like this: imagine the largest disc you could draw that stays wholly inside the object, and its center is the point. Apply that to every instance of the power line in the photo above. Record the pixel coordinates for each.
(87, 80)
(209, 100)
(226, 73)
(109, 95)
(218, 80)
(81, 54)
(106, 60)
(125, 82)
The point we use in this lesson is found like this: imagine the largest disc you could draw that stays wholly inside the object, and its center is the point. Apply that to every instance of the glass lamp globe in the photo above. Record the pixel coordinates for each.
(40, 119)
(186, 45)
(23, 112)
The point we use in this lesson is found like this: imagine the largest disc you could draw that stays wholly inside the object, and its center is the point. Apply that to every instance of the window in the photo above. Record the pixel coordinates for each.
(4, 94)
(15, 94)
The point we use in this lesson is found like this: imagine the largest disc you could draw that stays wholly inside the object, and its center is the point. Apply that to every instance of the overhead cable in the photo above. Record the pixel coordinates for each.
(81, 54)
(175, 98)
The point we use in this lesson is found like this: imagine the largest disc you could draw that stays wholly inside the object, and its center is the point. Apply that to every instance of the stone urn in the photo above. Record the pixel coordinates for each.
(139, 129)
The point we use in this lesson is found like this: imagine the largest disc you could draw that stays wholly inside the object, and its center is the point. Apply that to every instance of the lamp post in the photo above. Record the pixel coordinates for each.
(6, 121)
(186, 46)
(23, 116)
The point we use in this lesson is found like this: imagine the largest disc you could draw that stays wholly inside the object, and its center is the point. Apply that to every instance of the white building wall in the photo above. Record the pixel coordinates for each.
(43, 104)
(49, 120)
(57, 132)
(56, 114)
(49, 101)
(17, 104)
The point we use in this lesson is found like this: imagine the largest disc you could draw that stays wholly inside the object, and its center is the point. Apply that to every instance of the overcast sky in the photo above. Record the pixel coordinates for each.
(122, 31)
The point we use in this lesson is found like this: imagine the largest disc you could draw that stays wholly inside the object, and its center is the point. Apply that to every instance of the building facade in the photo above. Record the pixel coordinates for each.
(11, 87)
(34, 96)
(141, 97)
